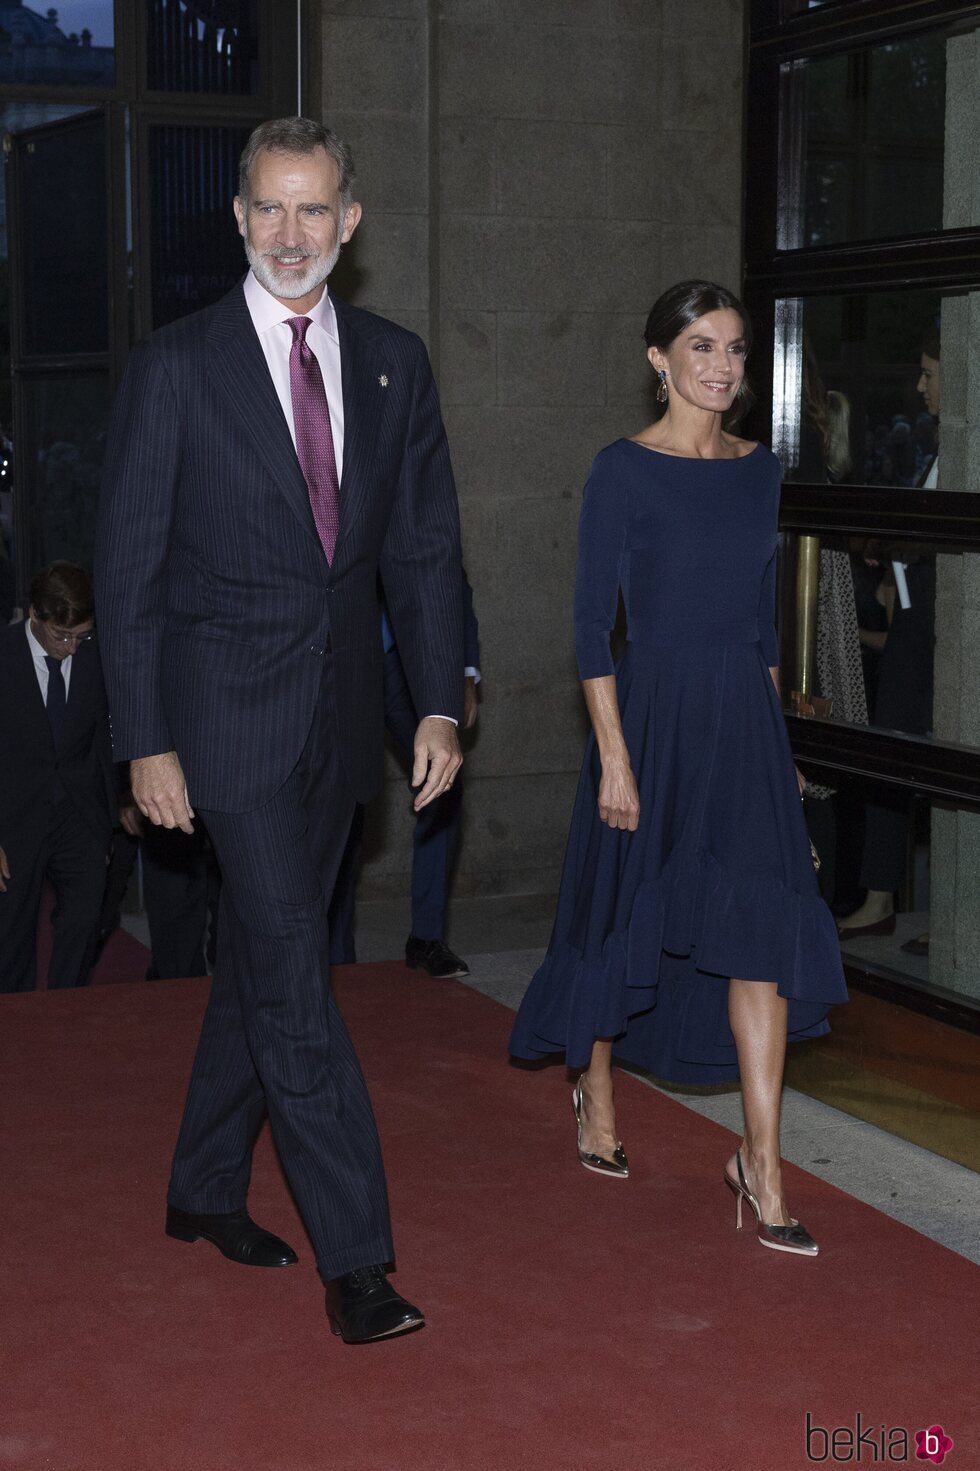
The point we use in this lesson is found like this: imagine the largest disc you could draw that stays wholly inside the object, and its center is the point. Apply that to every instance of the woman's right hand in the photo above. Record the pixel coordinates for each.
(619, 800)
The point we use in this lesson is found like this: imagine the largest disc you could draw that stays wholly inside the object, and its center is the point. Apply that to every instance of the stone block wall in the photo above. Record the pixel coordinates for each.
(534, 173)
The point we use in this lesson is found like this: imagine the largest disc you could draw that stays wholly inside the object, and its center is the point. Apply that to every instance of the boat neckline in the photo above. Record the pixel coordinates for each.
(693, 459)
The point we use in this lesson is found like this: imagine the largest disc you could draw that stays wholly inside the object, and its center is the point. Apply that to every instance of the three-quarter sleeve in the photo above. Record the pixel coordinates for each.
(599, 572)
(767, 614)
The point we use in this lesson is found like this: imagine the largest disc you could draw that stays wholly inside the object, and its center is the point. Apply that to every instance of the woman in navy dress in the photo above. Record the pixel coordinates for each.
(690, 937)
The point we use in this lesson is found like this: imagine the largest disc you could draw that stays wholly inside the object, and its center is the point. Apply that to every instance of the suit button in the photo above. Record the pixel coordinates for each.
(315, 650)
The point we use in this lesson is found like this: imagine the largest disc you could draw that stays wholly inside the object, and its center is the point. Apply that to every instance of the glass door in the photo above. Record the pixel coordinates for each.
(62, 330)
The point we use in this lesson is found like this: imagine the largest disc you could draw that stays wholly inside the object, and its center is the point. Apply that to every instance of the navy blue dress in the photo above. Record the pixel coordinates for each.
(717, 881)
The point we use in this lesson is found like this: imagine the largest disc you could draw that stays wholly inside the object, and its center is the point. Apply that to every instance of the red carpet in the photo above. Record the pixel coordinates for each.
(574, 1322)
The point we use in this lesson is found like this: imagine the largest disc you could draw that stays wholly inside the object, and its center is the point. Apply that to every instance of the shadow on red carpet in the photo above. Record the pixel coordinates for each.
(573, 1322)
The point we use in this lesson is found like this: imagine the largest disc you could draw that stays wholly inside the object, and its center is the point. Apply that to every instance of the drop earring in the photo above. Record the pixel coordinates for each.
(662, 390)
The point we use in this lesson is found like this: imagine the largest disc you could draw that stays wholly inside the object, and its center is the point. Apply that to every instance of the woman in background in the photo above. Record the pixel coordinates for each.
(690, 937)
(904, 693)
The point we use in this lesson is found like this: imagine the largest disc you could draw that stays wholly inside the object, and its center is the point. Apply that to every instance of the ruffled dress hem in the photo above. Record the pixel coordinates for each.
(659, 986)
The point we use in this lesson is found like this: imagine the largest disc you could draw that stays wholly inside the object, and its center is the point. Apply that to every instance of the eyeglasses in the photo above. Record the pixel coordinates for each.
(71, 638)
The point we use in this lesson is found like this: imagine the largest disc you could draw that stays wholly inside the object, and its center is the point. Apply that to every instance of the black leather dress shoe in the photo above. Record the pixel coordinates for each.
(435, 957)
(236, 1236)
(363, 1306)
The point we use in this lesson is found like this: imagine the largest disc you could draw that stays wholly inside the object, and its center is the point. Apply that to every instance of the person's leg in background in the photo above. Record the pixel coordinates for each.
(121, 864)
(434, 841)
(175, 895)
(19, 905)
(76, 867)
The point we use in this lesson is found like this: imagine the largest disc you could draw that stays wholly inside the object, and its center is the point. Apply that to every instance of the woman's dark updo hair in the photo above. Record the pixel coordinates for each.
(685, 303)
(688, 301)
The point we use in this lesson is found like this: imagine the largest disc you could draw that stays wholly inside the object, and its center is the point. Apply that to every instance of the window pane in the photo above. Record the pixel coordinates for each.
(883, 635)
(14, 117)
(872, 126)
(829, 187)
(909, 1074)
(857, 392)
(196, 251)
(880, 633)
(912, 856)
(859, 632)
(71, 45)
(203, 46)
(67, 417)
(65, 285)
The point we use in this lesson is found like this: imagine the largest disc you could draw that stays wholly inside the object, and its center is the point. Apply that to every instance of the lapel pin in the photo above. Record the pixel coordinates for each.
(383, 380)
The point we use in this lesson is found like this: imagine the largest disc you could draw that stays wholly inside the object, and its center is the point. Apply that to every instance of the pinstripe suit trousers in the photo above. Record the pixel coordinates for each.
(273, 1039)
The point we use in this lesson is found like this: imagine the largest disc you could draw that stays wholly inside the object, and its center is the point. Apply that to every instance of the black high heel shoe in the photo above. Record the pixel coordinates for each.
(617, 1167)
(791, 1238)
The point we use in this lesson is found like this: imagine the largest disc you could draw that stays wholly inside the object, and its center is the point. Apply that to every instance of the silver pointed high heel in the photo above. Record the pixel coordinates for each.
(792, 1238)
(617, 1167)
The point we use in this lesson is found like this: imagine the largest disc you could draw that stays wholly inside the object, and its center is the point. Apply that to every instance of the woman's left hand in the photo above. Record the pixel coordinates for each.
(802, 780)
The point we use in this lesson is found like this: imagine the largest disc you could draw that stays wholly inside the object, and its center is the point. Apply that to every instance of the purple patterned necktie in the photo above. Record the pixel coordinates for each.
(314, 437)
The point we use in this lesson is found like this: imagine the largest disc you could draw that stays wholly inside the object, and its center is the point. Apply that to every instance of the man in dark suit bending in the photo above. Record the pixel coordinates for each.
(269, 457)
(57, 785)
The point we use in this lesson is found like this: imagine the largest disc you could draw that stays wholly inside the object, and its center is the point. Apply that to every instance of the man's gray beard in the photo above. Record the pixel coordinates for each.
(288, 285)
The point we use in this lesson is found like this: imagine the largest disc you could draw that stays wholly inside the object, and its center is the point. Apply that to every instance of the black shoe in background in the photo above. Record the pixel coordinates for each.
(435, 957)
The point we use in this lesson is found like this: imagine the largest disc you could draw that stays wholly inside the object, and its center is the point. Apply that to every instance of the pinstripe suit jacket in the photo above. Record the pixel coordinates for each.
(215, 601)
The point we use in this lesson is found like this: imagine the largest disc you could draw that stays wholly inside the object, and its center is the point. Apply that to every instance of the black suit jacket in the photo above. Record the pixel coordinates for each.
(215, 601)
(29, 763)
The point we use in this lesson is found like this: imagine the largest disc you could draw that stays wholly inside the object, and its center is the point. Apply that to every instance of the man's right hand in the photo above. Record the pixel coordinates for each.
(160, 790)
(4, 871)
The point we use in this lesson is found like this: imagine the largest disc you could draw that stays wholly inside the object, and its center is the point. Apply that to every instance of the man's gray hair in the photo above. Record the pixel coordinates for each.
(299, 136)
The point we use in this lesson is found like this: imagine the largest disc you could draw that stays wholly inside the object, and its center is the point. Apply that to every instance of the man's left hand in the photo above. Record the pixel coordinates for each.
(437, 759)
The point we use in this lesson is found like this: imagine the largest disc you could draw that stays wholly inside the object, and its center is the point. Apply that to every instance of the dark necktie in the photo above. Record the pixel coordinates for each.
(314, 436)
(57, 701)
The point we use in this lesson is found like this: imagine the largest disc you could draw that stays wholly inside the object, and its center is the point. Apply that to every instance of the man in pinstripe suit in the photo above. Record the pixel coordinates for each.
(268, 457)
